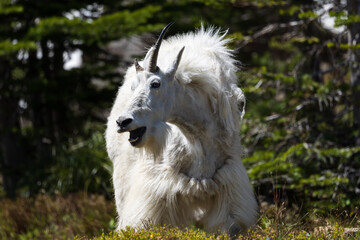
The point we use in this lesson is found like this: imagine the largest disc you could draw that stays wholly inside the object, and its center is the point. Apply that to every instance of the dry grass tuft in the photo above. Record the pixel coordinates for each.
(55, 217)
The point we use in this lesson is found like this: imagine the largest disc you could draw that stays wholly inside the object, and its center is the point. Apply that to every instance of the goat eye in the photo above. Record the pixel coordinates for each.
(155, 84)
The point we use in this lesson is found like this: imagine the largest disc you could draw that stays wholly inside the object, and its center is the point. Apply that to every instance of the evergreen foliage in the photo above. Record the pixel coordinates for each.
(56, 110)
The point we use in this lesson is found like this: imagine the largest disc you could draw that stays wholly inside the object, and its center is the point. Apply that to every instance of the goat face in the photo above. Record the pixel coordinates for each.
(148, 108)
(153, 95)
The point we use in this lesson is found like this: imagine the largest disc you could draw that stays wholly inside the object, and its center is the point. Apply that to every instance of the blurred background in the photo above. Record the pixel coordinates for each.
(62, 61)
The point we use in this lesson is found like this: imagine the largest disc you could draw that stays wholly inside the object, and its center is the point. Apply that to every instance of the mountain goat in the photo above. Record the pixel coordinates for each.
(181, 159)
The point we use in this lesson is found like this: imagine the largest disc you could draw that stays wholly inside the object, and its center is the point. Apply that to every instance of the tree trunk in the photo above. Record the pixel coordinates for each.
(11, 154)
(354, 38)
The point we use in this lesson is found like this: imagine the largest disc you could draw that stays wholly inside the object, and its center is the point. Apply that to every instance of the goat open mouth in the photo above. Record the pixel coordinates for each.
(136, 135)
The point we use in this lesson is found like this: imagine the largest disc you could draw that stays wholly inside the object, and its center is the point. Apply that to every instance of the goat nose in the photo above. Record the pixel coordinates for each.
(123, 123)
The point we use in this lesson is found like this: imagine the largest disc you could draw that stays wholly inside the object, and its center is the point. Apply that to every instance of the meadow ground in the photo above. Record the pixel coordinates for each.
(83, 216)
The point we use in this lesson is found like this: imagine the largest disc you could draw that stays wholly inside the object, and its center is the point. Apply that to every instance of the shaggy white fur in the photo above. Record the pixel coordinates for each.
(187, 165)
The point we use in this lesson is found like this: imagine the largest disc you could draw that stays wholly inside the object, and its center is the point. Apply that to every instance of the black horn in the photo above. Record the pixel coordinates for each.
(153, 58)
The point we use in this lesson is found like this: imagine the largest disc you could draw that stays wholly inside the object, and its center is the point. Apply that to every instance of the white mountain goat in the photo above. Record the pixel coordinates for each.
(181, 161)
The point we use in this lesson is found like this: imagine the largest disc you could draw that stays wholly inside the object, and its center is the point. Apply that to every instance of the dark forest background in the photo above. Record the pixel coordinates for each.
(300, 73)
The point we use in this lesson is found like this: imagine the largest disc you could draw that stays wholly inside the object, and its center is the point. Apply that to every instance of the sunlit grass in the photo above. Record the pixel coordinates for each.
(83, 216)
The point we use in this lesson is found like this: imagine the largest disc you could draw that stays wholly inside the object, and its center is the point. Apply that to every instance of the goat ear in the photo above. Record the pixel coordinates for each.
(172, 70)
(137, 66)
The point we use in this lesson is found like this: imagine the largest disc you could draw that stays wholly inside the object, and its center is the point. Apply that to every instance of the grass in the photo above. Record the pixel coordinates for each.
(275, 223)
(56, 217)
(83, 216)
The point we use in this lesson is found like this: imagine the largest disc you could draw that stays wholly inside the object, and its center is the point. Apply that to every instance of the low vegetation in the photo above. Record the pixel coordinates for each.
(82, 216)
(56, 217)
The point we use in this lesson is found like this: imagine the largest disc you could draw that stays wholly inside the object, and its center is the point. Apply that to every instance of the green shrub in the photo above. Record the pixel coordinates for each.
(80, 165)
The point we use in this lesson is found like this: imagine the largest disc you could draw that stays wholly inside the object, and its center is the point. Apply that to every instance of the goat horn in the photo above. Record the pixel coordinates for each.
(153, 58)
(137, 66)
